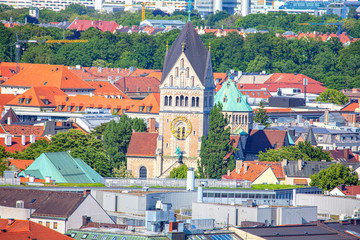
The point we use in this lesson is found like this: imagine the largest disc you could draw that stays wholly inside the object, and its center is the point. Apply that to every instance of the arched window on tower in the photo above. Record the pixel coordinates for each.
(182, 63)
(205, 102)
(176, 71)
(186, 101)
(197, 101)
(177, 101)
(193, 101)
(170, 100)
(187, 72)
(246, 119)
(192, 81)
(181, 100)
(236, 119)
(142, 172)
(166, 101)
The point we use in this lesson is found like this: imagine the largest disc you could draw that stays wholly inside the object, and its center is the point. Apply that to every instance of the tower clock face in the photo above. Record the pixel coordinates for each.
(180, 127)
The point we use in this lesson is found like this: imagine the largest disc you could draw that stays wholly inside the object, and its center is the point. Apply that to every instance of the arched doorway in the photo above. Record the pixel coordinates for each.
(142, 172)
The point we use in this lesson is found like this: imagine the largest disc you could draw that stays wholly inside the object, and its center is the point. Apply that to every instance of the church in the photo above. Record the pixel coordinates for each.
(186, 97)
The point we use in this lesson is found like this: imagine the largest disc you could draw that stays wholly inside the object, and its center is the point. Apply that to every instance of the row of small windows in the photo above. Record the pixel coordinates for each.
(238, 119)
(182, 101)
(238, 195)
(47, 224)
(183, 81)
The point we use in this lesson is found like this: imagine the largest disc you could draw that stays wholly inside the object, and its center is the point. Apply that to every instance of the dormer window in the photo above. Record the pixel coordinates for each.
(28, 100)
(60, 107)
(69, 108)
(138, 89)
(148, 109)
(141, 108)
(21, 100)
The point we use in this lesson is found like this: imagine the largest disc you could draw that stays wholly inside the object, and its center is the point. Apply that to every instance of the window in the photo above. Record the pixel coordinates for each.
(192, 81)
(187, 72)
(170, 100)
(40, 222)
(237, 195)
(186, 101)
(48, 224)
(166, 101)
(217, 195)
(143, 172)
(28, 100)
(104, 237)
(197, 101)
(78, 108)
(205, 105)
(55, 226)
(182, 80)
(141, 108)
(182, 63)
(224, 195)
(171, 81)
(193, 101)
(231, 195)
(84, 236)
(211, 194)
(194, 133)
(181, 100)
(73, 235)
(21, 100)
(176, 72)
(251, 195)
(210, 101)
(114, 238)
(148, 109)
(177, 101)
(167, 145)
(245, 195)
(95, 236)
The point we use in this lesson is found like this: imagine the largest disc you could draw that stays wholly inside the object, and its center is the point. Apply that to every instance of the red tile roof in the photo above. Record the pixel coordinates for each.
(152, 101)
(38, 97)
(82, 25)
(40, 75)
(138, 72)
(16, 144)
(104, 88)
(234, 141)
(290, 78)
(97, 73)
(20, 129)
(351, 190)
(258, 93)
(142, 144)
(339, 155)
(95, 102)
(20, 163)
(4, 99)
(25, 229)
(350, 107)
(252, 173)
(138, 84)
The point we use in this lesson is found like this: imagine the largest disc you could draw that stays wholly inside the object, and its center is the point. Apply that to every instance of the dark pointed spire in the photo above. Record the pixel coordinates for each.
(189, 42)
(310, 137)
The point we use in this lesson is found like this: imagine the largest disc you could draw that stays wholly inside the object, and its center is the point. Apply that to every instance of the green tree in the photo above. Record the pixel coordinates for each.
(336, 174)
(261, 115)
(181, 172)
(353, 13)
(3, 160)
(333, 96)
(314, 153)
(259, 64)
(215, 146)
(33, 151)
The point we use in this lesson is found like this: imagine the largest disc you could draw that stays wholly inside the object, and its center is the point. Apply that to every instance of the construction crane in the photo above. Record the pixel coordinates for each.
(339, 24)
(19, 42)
(142, 11)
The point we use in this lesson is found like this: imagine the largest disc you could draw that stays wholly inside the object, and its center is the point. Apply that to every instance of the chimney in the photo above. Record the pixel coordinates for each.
(326, 117)
(239, 164)
(85, 220)
(23, 140)
(228, 172)
(31, 179)
(346, 153)
(284, 162)
(300, 164)
(245, 167)
(8, 140)
(152, 125)
(47, 179)
(9, 121)
(32, 138)
(87, 192)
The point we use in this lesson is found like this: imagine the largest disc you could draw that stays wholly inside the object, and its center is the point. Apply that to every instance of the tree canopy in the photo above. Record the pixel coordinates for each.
(336, 174)
(303, 150)
(333, 96)
(215, 146)
(181, 172)
(261, 115)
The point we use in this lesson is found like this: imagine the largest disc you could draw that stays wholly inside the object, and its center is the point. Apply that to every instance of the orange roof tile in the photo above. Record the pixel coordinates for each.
(142, 144)
(39, 97)
(104, 88)
(153, 101)
(4, 99)
(81, 102)
(252, 173)
(82, 25)
(16, 144)
(351, 107)
(155, 74)
(40, 75)
(97, 73)
(20, 163)
(139, 72)
(27, 130)
(138, 84)
(25, 229)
